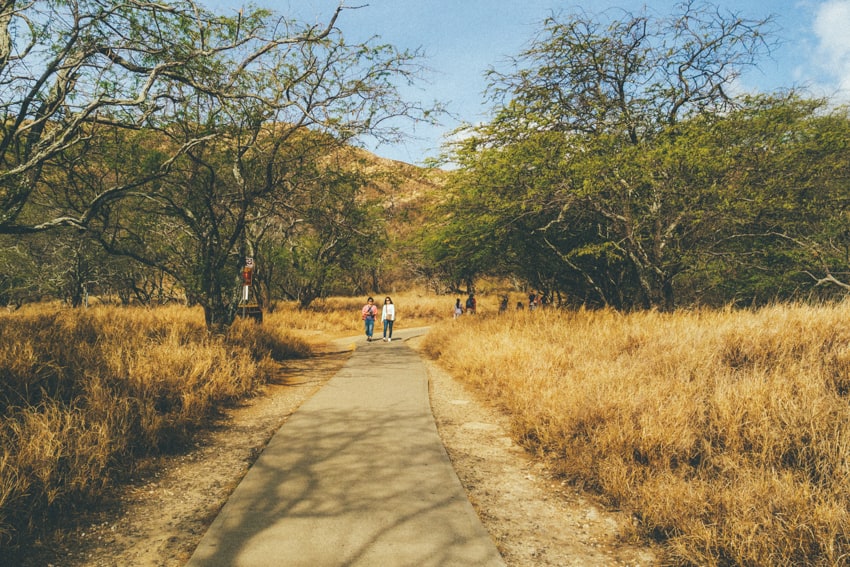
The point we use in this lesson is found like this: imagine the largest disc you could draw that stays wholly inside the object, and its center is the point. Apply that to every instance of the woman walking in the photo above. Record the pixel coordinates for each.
(388, 317)
(368, 313)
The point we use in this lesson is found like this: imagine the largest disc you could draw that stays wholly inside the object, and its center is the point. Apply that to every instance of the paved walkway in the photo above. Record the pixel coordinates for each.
(358, 476)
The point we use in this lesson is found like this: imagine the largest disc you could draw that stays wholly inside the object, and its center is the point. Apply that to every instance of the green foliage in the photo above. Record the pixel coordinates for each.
(337, 237)
(182, 139)
(617, 172)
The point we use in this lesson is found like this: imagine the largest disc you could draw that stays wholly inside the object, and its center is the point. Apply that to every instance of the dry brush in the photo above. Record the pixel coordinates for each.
(85, 396)
(726, 433)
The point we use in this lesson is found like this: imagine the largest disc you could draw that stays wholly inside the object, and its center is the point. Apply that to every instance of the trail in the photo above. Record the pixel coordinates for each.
(358, 476)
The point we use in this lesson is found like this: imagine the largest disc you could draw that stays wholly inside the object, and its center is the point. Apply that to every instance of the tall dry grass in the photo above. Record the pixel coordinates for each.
(726, 433)
(84, 395)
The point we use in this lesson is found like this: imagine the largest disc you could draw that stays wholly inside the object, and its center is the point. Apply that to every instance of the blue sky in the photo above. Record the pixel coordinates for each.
(461, 39)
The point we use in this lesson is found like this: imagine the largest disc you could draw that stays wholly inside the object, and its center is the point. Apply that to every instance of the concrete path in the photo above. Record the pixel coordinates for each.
(358, 476)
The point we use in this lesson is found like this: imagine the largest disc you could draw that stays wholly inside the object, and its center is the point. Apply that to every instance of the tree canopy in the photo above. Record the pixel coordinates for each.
(620, 170)
(177, 136)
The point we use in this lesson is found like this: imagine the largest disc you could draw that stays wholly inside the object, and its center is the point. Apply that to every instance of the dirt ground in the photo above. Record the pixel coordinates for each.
(159, 518)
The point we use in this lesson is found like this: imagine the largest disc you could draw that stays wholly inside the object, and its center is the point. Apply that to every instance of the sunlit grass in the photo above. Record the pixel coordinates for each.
(726, 433)
(86, 394)
(340, 316)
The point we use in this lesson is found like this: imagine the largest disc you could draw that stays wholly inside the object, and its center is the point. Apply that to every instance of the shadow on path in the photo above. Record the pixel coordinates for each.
(357, 476)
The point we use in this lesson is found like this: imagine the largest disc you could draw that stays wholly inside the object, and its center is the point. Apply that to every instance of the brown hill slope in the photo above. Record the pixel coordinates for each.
(407, 193)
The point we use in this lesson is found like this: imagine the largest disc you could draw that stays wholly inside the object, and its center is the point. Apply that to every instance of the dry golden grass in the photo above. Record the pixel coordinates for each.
(727, 433)
(85, 394)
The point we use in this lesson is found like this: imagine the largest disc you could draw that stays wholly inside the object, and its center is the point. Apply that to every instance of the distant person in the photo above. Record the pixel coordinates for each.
(369, 313)
(520, 305)
(503, 305)
(471, 304)
(458, 309)
(388, 318)
(532, 301)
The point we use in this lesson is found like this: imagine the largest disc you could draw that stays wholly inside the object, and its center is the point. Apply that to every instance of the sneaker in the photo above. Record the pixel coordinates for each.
(368, 339)
(389, 340)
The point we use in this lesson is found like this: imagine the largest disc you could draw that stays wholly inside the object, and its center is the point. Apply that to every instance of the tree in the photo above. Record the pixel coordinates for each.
(67, 68)
(496, 200)
(782, 164)
(245, 163)
(337, 232)
(612, 93)
(173, 133)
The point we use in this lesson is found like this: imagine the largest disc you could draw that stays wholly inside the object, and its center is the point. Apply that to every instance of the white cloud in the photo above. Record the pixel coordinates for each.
(832, 28)
(832, 23)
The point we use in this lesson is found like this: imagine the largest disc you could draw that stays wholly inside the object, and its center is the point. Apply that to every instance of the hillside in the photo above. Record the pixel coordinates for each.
(407, 193)
(398, 184)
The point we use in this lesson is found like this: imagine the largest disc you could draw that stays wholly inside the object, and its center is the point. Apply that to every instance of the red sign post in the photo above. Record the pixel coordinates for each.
(249, 306)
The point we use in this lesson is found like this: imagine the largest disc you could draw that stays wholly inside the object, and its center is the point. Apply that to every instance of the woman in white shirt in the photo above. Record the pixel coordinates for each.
(388, 317)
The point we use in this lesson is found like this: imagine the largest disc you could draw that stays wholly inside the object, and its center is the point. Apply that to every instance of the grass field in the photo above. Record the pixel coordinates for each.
(87, 395)
(726, 433)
